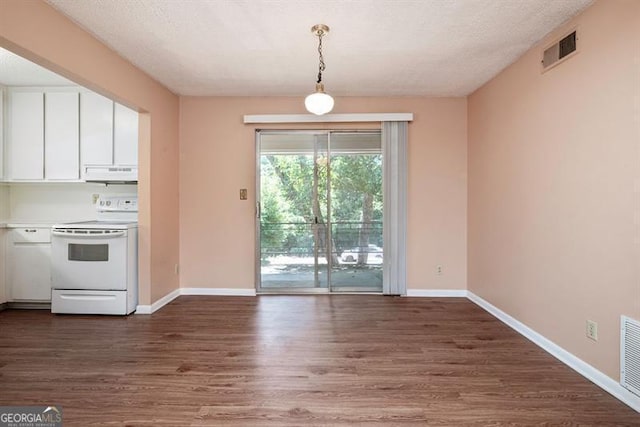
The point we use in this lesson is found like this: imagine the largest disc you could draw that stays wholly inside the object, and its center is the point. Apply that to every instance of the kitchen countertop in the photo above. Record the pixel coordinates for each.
(26, 224)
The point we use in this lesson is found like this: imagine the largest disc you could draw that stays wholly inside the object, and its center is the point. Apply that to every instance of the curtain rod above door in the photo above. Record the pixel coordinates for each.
(327, 118)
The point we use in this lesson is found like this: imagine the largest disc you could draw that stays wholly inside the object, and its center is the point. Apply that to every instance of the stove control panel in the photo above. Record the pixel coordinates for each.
(109, 203)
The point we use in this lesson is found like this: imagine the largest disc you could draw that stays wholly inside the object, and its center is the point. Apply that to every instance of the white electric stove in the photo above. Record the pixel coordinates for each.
(94, 264)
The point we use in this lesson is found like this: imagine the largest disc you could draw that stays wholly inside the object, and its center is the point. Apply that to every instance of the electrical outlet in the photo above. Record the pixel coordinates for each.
(439, 270)
(592, 330)
(243, 194)
(176, 269)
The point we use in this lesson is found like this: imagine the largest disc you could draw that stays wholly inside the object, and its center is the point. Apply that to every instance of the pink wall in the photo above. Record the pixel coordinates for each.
(217, 158)
(36, 31)
(554, 186)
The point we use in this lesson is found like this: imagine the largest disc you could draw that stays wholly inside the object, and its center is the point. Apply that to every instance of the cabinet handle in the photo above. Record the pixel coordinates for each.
(30, 230)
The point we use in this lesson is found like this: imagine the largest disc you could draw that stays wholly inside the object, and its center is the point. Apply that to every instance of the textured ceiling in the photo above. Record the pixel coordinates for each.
(375, 47)
(17, 71)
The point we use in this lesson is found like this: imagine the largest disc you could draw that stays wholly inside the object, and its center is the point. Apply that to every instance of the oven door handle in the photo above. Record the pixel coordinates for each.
(88, 235)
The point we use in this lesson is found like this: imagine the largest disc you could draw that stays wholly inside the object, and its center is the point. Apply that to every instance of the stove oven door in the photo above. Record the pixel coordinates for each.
(89, 259)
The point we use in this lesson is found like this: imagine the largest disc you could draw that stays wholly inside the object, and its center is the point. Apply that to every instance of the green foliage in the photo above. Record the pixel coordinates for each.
(287, 196)
(353, 176)
(275, 209)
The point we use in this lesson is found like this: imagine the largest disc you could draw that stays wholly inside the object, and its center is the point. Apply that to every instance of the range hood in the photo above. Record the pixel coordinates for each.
(111, 174)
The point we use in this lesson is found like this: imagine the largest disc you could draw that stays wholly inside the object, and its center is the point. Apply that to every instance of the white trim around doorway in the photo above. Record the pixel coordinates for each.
(328, 118)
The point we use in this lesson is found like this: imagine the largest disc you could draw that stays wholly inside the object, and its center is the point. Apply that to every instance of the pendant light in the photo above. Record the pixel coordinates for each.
(319, 102)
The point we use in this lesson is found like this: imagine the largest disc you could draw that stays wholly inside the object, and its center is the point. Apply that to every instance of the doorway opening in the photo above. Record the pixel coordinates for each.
(319, 211)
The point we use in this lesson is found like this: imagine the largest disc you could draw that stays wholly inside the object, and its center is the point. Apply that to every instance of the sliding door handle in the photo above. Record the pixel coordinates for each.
(257, 209)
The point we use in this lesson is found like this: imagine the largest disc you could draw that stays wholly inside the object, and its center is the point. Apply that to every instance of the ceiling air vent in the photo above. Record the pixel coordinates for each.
(559, 51)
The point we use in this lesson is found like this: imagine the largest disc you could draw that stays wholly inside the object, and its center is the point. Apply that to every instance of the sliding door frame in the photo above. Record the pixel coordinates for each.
(329, 220)
(258, 251)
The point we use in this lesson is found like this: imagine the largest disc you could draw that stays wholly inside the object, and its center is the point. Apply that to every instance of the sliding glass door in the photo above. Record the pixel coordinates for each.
(356, 211)
(319, 225)
(292, 211)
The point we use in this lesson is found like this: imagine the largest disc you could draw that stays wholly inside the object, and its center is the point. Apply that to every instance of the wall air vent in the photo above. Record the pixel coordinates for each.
(559, 51)
(630, 354)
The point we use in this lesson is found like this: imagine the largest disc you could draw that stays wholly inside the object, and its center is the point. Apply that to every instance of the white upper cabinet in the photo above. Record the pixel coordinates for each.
(62, 136)
(108, 139)
(125, 136)
(96, 129)
(43, 135)
(26, 135)
(59, 133)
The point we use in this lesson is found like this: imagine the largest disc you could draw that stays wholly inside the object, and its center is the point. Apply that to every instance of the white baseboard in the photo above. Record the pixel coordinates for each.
(580, 366)
(241, 292)
(437, 293)
(150, 309)
(143, 309)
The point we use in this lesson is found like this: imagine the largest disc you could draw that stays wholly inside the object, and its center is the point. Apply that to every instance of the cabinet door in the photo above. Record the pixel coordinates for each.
(61, 136)
(96, 129)
(3, 126)
(26, 135)
(4, 291)
(29, 270)
(125, 137)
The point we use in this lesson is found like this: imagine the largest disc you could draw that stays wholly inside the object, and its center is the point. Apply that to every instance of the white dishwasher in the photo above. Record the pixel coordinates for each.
(94, 264)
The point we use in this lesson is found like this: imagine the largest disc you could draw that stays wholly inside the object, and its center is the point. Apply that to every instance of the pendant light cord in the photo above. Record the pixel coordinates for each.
(321, 66)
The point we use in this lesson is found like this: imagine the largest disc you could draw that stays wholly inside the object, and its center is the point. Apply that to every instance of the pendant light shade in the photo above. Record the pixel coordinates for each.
(319, 102)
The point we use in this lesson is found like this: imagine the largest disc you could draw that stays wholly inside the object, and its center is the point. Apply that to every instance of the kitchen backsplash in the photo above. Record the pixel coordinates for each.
(54, 202)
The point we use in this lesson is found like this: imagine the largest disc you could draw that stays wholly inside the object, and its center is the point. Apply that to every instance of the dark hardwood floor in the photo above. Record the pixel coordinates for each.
(294, 361)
